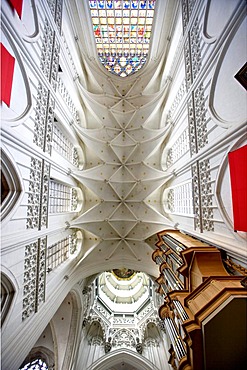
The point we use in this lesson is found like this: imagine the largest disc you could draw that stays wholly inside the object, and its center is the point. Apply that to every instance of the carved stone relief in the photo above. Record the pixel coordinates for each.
(73, 243)
(47, 50)
(50, 54)
(179, 148)
(66, 96)
(187, 63)
(195, 51)
(203, 196)
(197, 120)
(179, 96)
(187, 8)
(56, 7)
(206, 195)
(192, 54)
(75, 159)
(192, 126)
(34, 194)
(124, 338)
(185, 14)
(29, 281)
(44, 116)
(200, 117)
(37, 209)
(41, 271)
(34, 277)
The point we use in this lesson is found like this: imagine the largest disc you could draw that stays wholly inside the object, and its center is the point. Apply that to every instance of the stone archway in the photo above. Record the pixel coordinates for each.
(123, 359)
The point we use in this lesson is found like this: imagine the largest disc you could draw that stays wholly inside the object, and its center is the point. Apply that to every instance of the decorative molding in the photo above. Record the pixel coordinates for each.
(34, 277)
(44, 117)
(187, 62)
(197, 120)
(185, 14)
(67, 98)
(206, 195)
(200, 117)
(56, 7)
(37, 208)
(192, 54)
(179, 96)
(234, 266)
(203, 196)
(123, 338)
(178, 149)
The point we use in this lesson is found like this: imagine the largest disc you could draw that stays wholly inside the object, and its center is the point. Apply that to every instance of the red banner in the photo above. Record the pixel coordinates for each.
(238, 174)
(17, 5)
(7, 72)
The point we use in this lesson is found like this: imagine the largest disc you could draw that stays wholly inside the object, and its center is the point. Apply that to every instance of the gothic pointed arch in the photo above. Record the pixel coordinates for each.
(11, 185)
(123, 357)
(7, 295)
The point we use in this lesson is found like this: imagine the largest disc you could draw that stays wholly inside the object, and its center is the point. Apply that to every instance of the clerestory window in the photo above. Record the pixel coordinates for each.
(122, 31)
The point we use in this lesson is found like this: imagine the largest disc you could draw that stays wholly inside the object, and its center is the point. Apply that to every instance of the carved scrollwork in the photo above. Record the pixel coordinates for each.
(197, 120)
(66, 97)
(34, 277)
(44, 116)
(73, 243)
(179, 148)
(124, 338)
(203, 196)
(37, 207)
(56, 11)
(179, 96)
(192, 54)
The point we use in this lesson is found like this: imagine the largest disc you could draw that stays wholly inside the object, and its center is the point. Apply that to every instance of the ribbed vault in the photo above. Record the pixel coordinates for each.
(123, 130)
(123, 181)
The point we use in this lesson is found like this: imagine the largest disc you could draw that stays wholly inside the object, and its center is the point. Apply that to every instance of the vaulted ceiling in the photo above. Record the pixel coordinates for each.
(123, 130)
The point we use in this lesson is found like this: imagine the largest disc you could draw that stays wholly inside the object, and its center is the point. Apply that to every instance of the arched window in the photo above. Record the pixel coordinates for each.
(39, 358)
(37, 364)
(7, 294)
(176, 151)
(122, 31)
(63, 249)
(64, 198)
(64, 145)
(179, 199)
(10, 185)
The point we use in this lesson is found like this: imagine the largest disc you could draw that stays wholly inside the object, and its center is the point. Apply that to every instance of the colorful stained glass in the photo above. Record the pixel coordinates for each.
(122, 30)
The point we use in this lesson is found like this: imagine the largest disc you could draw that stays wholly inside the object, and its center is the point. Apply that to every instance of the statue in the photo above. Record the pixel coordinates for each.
(108, 345)
(139, 347)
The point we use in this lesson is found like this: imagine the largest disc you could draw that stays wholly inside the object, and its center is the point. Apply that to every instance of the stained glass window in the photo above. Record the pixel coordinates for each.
(122, 30)
(35, 365)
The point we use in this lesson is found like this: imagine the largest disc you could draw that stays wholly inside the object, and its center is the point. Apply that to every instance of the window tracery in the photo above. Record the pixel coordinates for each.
(122, 31)
(59, 252)
(60, 198)
(37, 364)
(63, 145)
(179, 199)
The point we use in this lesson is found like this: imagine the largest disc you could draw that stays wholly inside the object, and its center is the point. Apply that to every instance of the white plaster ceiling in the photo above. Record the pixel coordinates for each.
(122, 129)
(123, 295)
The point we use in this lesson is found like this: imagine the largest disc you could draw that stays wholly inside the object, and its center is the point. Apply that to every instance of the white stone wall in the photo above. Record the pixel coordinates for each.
(190, 86)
